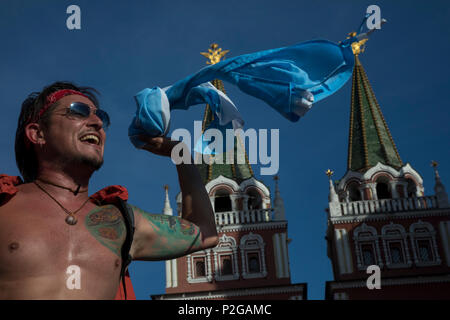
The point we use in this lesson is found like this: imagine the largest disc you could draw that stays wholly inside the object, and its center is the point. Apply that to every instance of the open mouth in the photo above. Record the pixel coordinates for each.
(90, 139)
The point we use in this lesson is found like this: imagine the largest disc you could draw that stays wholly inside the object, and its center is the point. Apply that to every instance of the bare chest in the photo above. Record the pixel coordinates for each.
(36, 239)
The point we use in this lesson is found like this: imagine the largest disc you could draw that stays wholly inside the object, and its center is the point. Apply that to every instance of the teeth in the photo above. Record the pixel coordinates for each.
(90, 137)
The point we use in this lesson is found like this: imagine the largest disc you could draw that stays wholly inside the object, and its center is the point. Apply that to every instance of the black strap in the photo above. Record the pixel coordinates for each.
(128, 216)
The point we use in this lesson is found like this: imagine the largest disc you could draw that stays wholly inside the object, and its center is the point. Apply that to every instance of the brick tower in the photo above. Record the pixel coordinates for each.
(379, 215)
(251, 260)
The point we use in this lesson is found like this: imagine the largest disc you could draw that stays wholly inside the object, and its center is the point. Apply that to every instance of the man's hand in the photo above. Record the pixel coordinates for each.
(159, 145)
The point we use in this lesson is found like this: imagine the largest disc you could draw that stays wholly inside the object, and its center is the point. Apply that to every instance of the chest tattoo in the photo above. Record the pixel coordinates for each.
(107, 226)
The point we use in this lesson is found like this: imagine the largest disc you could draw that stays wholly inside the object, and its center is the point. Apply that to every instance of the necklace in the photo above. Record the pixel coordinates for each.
(75, 192)
(70, 219)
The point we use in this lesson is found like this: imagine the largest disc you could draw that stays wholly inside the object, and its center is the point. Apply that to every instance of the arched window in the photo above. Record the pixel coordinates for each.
(253, 257)
(383, 190)
(227, 267)
(226, 259)
(411, 188)
(254, 199)
(199, 267)
(423, 244)
(222, 201)
(200, 270)
(366, 247)
(253, 262)
(395, 246)
(353, 192)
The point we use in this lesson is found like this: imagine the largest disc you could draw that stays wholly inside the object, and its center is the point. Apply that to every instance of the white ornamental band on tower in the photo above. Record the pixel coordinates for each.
(167, 208)
(278, 203)
(171, 265)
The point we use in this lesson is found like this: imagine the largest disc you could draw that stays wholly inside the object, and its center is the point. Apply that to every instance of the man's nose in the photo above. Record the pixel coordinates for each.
(95, 121)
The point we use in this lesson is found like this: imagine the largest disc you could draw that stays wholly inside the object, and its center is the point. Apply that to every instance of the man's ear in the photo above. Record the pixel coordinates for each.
(34, 133)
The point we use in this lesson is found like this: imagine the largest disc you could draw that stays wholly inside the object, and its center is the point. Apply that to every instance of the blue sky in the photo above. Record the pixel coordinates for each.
(125, 46)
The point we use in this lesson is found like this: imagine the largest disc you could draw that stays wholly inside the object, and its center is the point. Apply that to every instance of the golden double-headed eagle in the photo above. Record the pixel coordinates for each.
(214, 54)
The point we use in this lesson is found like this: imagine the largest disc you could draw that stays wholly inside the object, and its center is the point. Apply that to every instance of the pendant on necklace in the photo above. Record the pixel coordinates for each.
(71, 220)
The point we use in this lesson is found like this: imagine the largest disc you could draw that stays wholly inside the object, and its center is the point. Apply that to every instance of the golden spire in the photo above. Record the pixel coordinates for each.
(214, 54)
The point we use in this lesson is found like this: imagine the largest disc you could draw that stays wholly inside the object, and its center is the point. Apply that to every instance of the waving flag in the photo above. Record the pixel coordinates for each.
(288, 79)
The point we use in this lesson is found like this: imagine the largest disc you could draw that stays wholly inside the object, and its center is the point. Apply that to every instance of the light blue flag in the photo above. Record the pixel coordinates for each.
(288, 79)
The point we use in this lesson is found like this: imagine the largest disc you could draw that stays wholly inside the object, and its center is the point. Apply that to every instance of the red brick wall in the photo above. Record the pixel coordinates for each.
(269, 280)
(386, 272)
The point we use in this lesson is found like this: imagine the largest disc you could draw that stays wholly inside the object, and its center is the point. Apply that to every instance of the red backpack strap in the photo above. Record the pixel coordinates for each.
(8, 187)
(118, 195)
(110, 194)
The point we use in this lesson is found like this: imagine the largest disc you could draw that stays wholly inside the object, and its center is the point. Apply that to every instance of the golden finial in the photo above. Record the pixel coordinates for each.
(166, 187)
(434, 164)
(214, 54)
(359, 46)
(329, 173)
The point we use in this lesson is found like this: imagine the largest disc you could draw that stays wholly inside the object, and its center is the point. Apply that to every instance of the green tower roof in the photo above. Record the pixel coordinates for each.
(237, 170)
(370, 141)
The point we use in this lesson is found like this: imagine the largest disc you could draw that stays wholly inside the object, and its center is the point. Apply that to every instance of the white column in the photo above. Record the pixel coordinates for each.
(168, 274)
(174, 273)
(343, 251)
(284, 256)
(394, 192)
(277, 252)
(233, 198)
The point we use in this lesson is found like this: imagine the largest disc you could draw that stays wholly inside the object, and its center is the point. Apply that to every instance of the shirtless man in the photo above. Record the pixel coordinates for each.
(49, 223)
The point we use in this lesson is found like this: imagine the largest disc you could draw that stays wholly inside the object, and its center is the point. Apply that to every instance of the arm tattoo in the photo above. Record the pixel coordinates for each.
(107, 226)
(175, 236)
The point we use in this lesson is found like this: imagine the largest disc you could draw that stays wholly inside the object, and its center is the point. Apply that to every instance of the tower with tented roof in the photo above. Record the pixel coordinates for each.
(379, 215)
(251, 260)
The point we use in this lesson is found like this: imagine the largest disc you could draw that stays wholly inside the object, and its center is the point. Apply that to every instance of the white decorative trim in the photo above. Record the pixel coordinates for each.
(252, 182)
(221, 180)
(168, 274)
(390, 216)
(391, 282)
(233, 293)
(250, 248)
(379, 167)
(281, 255)
(171, 273)
(359, 240)
(231, 250)
(253, 226)
(400, 237)
(206, 254)
(430, 235)
(343, 251)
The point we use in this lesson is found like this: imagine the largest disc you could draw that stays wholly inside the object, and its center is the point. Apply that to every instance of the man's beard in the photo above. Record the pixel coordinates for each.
(85, 161)
(95, 164)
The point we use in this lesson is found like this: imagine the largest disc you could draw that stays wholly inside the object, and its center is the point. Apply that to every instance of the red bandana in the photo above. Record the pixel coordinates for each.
(57, 95)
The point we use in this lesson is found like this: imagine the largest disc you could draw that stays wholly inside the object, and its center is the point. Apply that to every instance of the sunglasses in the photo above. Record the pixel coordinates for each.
(83, 111)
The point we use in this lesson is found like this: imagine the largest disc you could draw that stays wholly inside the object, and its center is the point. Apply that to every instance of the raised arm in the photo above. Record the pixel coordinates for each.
(161, 237)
